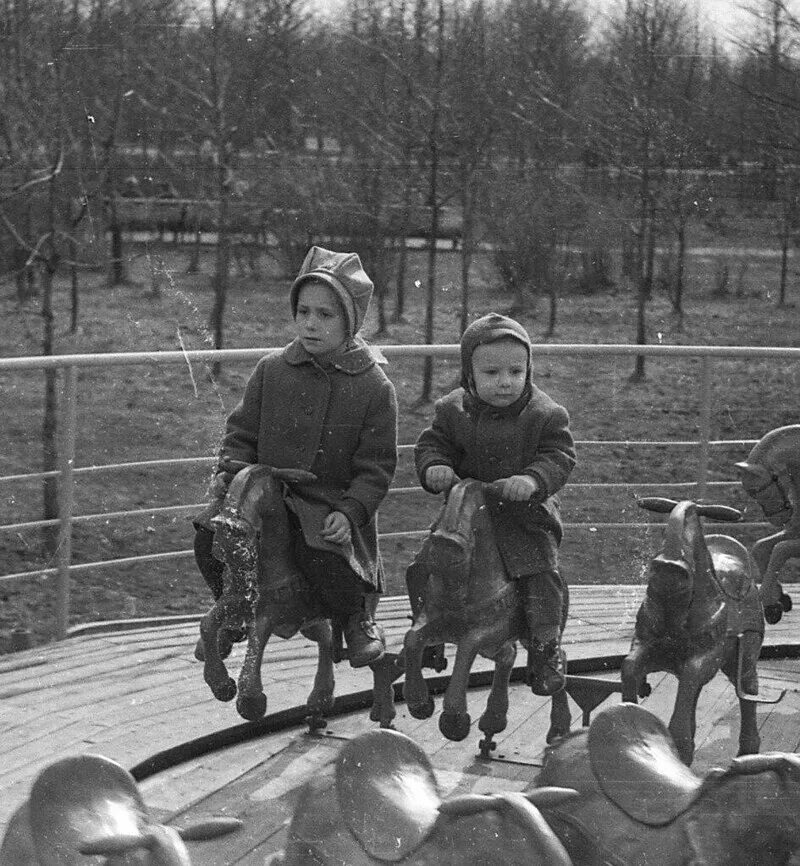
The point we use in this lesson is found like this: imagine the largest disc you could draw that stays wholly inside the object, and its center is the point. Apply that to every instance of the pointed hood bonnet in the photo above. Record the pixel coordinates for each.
(344, 274)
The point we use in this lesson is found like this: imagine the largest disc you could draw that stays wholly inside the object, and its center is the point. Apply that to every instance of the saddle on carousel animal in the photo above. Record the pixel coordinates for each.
(262, 592)
(771, 475)
(701, 614)
(468, 599)
(381, 804)
(639, 804)
(89, 805)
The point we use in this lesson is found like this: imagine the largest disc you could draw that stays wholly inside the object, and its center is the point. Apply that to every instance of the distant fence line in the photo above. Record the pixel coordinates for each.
(67, 472)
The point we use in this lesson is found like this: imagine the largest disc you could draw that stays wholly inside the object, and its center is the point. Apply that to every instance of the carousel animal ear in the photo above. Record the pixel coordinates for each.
(754, 476)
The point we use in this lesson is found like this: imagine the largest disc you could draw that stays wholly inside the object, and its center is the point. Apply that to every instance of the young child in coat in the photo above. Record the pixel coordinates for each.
(323, 404)
(498, 426)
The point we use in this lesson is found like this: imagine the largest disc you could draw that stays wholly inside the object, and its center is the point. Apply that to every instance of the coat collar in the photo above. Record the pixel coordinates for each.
(355, 359)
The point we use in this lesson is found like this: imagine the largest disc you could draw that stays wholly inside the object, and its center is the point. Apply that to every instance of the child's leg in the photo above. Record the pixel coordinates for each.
(343, 594)
(544, 600)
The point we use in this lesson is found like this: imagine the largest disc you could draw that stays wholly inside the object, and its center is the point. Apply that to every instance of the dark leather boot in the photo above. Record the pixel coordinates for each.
(545, 610)
(364, 639)
(547, 667)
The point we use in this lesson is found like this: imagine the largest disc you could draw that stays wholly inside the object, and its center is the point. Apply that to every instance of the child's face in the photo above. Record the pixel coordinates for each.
(500, 371)
(319, 320)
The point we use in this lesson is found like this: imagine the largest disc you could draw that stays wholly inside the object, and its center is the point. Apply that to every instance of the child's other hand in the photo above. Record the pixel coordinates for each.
(518, 488)
(439, 478)
(336, 528)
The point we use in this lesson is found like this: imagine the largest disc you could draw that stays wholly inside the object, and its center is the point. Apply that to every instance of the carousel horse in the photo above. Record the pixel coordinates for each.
(638, 803)
(264, 594)
(89, 805)
(701, 614)
(381, 804)
(479, 609)
(771, 475)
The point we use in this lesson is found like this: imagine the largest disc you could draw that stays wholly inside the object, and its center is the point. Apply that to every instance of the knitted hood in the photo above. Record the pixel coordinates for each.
(489, 329)
(344, 273)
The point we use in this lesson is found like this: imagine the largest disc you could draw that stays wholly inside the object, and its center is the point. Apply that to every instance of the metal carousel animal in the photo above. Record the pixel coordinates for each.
(88, 805)
(382, 804)
(639, 804)
(479, 609)
(263, 594)
(701, 614)
(771, 475)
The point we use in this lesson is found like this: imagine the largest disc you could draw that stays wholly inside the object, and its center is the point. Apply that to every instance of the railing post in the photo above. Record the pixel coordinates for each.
(705, 427)
(66, 464)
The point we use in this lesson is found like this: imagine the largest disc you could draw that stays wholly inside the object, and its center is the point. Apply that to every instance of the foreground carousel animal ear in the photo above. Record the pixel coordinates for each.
(88, 804)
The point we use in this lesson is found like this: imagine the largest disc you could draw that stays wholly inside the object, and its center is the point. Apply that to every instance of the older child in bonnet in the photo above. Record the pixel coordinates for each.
(323, 404)
(499, 427)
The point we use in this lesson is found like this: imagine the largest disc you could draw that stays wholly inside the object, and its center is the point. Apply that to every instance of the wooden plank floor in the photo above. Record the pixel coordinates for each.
(133, 692)
(262, 779)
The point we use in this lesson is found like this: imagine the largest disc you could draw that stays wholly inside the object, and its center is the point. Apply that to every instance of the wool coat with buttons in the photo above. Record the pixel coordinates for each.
(530, 437)
(337, 420)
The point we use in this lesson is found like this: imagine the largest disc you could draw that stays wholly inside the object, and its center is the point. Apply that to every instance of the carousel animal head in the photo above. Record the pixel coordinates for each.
(458, 548)
(89, 805)
(684, 562)
(638, 803)
(771, 474)
(382, 805)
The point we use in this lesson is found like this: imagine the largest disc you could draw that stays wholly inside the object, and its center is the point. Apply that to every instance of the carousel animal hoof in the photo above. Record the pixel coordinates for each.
(773, 613)
(454, 726)
(225, 691)
(253, 707)
(786, 602)
(422, 710)
(645, 689)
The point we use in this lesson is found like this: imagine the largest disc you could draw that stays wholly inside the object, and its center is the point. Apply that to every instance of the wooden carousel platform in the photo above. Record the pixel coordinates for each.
(132, 691)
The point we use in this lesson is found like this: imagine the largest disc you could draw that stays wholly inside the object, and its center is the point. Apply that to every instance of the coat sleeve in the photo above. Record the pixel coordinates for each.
(240, 442)
(436, 445)
(375, 459)
(555, 454)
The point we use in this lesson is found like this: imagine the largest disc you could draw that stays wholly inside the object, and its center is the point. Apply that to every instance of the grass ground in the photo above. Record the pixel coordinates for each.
(145, 412)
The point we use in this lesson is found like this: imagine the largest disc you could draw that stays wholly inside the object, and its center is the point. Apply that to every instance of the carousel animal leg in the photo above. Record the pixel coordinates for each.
(495, 717)
(214, 671)
(252, 702)
(384, 673)
(415, 690)
(781, 554)
(633, 673)
(745, 681)
(320, 701)
(695, 674)
(560, 716)
(454, 721)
